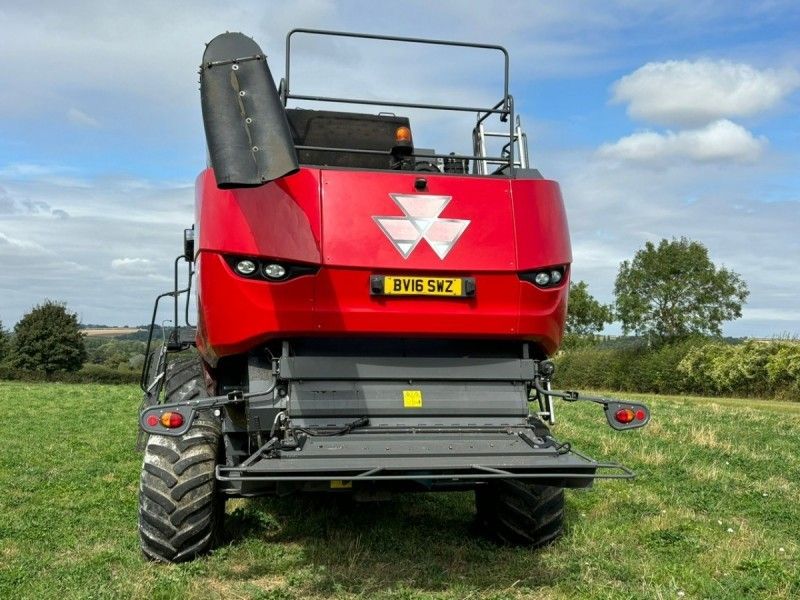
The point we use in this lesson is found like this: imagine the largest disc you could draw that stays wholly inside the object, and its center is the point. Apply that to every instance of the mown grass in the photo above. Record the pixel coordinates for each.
(714, 513)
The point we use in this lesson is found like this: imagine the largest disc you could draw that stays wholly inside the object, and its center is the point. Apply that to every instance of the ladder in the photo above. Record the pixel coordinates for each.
(516, 136)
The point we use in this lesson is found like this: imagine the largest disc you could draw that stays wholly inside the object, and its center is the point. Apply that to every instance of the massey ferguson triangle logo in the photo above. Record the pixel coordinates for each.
(421, 221)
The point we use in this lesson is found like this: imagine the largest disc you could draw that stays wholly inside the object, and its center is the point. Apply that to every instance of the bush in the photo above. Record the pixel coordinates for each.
(88, 374)
(750, 369)
(696, 366)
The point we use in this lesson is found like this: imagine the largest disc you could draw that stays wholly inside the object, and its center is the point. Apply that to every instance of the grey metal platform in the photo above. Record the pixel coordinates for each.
(366, 456)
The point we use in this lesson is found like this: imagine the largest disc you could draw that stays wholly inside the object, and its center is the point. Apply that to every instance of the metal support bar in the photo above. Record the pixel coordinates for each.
(364, 101)
(388, 153)
(390, 38)
(226, 474)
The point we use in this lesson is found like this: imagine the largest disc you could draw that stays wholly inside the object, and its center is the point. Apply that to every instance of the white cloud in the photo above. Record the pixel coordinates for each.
(30, 170)
(78, 117)
(107, 261)
(10, 246)
(719, 141)
(686, 93)
(132, 265)
(614, 207)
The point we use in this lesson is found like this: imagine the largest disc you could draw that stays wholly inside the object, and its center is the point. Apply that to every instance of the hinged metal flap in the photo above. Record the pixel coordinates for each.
(248, 136)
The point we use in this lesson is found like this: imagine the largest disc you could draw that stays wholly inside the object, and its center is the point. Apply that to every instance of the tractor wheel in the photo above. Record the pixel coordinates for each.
(180, 509)
(520, 513)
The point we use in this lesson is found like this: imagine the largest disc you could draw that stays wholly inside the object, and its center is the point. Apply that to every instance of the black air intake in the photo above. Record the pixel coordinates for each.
(248, 137)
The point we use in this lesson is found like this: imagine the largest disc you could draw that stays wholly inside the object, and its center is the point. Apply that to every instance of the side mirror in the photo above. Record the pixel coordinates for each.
(188, 244)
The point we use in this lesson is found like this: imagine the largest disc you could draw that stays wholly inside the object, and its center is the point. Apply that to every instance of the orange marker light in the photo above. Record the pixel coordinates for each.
(623, 415)
(403, 135)
(171, 420)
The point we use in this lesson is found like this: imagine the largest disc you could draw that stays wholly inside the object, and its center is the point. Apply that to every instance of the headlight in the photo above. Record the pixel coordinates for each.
(542, 278)
(546, 278)
(274, 271)
(246, 267)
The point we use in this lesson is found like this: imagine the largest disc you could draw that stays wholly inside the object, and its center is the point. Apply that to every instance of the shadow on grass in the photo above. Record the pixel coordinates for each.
(424, 542)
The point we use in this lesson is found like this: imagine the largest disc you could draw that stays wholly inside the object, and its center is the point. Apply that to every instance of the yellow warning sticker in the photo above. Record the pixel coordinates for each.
(412, 398)
(338, 484)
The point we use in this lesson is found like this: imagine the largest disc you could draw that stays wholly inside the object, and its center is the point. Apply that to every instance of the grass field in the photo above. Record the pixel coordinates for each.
(714, 513)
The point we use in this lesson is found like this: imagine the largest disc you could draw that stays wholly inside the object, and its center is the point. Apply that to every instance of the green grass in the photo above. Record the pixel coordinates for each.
(714, 513)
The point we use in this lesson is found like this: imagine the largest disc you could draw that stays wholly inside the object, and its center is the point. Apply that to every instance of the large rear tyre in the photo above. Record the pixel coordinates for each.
(519, 513)
(180, 509)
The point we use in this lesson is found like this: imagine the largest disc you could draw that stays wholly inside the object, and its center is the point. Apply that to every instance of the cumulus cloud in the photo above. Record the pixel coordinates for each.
(690, 93)
(719, 141)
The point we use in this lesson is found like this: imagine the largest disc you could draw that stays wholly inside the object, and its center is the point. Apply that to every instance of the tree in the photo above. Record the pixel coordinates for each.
(673, 291)
(3, 343)
(48, 339)
(585, 315)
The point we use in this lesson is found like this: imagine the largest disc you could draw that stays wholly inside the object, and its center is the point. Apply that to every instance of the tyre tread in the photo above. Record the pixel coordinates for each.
(519, 513)
(179, 516)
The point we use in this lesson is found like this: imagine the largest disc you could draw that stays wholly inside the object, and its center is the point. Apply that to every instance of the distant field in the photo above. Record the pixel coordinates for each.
(109, 331)
(715, 513)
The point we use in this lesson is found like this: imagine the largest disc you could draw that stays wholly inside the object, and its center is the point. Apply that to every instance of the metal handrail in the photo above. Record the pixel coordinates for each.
(504, 108)
(391, 38)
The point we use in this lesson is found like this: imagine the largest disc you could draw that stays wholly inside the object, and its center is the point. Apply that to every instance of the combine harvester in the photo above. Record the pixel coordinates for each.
(372, 317)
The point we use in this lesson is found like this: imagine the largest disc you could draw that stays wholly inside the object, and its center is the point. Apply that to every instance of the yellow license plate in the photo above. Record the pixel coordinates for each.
(407, 285)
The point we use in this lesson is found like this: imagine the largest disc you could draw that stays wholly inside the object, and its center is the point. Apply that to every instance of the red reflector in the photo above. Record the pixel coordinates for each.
(152, 420)
(171, 420)
(640, 415)
(624, 415)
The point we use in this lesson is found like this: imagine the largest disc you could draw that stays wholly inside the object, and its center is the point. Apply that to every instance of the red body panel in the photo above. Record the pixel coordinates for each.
(325, 217)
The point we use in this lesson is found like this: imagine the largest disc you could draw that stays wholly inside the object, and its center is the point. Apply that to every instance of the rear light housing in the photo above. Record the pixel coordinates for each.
(268, 269)
(627, 415)
(548, 277)
(161, 421)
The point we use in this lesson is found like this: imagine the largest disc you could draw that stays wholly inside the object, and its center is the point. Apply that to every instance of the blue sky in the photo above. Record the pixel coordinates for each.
(659, 119)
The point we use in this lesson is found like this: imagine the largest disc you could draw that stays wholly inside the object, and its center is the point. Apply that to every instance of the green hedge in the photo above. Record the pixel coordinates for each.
(88, 374)
(751, 369)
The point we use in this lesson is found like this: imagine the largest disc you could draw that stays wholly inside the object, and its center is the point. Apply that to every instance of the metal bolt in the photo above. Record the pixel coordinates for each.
(235, 67)
(242, 93)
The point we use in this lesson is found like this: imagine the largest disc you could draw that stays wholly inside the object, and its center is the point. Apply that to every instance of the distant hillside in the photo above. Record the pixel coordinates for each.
(106, 331)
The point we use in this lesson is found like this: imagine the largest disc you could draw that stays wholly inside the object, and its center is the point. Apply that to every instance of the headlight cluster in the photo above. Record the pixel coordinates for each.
(267, 269)
(545, 278)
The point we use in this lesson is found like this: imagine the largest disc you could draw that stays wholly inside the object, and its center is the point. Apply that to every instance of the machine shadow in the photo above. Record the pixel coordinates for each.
(418, 541)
